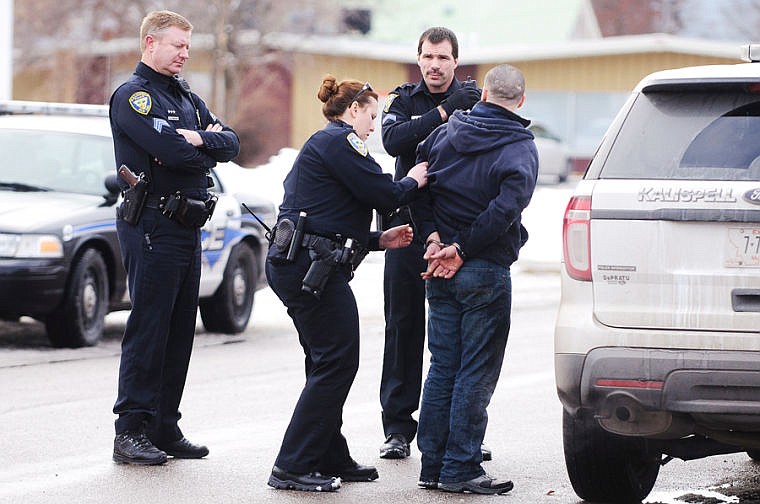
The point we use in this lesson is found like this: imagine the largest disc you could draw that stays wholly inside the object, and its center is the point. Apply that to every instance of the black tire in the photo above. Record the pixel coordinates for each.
(604, 467)
(80, 318)
(229, 309)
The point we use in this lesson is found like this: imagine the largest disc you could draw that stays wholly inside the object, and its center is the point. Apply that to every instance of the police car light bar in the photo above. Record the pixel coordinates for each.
(751, 53)
(52, 108)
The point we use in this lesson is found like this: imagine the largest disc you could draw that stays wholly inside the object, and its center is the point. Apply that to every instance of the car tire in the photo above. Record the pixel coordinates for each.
(605, 467)
(229, 309)
(80, 318)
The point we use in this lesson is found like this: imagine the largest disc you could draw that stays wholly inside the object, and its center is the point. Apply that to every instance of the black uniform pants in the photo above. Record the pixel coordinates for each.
(328, 330)
(401, 381)
(163, 263)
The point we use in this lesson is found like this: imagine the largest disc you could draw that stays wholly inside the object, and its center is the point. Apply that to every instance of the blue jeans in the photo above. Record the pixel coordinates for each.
(468, 325)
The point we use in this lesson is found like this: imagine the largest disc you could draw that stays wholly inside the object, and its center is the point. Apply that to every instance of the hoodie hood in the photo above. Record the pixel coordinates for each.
(486, 127)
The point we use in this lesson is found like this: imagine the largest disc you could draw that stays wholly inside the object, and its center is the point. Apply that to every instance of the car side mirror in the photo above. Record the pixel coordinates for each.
(111, 183)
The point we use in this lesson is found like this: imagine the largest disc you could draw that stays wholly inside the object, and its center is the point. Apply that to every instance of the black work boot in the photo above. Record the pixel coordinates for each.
(136, 448)
(352, 471)
(311, 482)
(395, 447)
(182, 448)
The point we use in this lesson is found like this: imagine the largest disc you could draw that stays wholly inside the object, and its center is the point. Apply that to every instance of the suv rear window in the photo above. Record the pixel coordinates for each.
(689, 133)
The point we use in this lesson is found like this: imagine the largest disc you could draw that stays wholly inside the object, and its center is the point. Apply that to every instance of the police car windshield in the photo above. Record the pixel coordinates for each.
(55, 161)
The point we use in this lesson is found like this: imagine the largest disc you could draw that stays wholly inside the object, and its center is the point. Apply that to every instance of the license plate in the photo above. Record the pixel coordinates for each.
(743, 247)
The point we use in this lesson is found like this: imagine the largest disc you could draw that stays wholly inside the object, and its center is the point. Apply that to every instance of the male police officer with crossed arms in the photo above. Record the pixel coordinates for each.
(165, 132)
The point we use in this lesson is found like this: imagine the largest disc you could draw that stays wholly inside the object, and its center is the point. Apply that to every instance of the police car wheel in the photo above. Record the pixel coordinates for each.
(80, 318)
(604, 467)
(229, 309)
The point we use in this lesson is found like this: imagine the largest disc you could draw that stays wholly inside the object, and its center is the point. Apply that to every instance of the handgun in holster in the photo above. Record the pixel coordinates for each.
(134, 196)
(324, 262)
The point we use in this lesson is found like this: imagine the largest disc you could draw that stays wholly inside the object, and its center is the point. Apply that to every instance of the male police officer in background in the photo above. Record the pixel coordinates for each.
(164, 131)
(412, 111)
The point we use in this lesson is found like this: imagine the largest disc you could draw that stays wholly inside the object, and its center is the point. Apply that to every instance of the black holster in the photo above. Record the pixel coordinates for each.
(317, 275)
(134, 202)
(327, 255)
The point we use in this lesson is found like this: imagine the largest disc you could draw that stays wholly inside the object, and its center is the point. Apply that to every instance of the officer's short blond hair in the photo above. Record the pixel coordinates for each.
(156, 22)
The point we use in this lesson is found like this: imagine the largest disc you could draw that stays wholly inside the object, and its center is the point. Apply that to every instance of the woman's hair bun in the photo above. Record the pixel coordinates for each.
(328, 88)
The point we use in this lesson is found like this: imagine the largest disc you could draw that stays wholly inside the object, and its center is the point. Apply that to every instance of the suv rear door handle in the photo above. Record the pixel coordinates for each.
(745, 300)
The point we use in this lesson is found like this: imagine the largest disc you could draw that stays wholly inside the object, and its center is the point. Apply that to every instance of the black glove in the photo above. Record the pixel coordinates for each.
(462, 99)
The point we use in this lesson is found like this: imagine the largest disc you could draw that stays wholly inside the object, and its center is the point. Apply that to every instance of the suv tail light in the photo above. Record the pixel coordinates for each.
(576, 238)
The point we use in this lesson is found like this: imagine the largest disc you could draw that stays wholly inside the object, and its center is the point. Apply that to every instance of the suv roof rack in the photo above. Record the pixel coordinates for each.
(51, 108)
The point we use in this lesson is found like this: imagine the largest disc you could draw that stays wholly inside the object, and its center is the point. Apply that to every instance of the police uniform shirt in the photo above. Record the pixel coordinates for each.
(409, 116)
(145, 114)
(337, 183)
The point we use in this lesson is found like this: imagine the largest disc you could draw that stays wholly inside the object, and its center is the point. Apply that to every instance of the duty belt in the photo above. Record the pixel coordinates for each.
(323, 244)
(187, 211)
(155, 201)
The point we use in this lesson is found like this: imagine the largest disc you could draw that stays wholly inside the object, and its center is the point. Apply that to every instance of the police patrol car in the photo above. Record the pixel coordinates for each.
(59, 253)
(657, 342)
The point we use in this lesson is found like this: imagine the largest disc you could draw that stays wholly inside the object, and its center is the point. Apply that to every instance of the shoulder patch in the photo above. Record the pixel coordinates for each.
(141, 102)
(388, 100)
(357, 144)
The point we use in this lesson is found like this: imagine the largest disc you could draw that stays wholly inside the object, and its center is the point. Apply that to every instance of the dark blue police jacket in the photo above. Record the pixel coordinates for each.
(145, 114)
(337, 183)
(482, 173)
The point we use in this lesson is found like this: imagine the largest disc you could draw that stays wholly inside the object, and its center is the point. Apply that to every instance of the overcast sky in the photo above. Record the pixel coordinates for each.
(722, 19)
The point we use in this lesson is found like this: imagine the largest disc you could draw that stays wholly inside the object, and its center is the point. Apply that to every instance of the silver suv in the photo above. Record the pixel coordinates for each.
(657, 339)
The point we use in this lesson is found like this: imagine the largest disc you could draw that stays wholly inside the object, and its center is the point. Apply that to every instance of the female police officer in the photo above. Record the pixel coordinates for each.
(322, 234)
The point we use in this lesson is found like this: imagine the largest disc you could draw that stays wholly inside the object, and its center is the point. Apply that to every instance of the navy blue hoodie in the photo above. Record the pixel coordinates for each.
(482, 171)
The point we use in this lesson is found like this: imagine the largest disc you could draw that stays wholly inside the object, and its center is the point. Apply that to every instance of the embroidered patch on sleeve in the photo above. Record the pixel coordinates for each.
(141, 102)
(357, 144)
(388, 101)
(158, 124)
